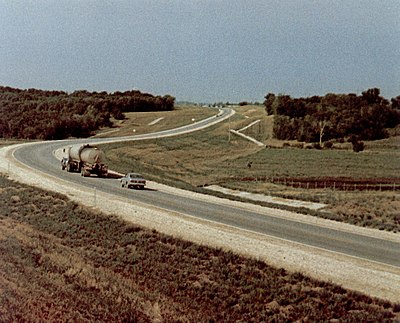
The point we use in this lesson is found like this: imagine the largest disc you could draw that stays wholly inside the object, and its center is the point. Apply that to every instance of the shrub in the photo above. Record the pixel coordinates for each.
(358, 146)
(316, 145)
(299, 145)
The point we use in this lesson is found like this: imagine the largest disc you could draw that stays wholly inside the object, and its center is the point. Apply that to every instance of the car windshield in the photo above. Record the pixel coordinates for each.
(134, 175)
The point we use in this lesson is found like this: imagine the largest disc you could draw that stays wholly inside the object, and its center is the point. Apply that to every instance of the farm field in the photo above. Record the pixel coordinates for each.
(65, 262)
(214, 156)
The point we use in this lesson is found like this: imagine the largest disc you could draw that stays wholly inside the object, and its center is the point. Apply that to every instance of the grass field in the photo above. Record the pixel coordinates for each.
(145, 122)
(62, 262)
(214, 156)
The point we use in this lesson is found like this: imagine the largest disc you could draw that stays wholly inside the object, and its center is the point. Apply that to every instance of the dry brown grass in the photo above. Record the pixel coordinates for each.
(7, 142)
(64, 263)
(370, 209)
(373, 209)
(141, 122)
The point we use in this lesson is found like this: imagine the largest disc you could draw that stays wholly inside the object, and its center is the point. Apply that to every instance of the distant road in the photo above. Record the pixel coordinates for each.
(40, 157)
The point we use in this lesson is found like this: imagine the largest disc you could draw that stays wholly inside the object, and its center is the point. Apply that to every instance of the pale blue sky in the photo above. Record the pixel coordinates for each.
(202, 50)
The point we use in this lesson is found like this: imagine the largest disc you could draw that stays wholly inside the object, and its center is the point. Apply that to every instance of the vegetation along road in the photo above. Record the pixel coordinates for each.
(40, 157)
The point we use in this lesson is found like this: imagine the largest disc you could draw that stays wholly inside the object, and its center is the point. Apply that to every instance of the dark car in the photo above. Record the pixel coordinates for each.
(131, 180)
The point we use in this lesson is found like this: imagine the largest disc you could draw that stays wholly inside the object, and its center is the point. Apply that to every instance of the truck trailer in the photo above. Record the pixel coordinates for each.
(85, 159)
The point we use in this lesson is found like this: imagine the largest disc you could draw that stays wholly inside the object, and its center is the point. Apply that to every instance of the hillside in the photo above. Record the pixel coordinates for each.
(65, 262)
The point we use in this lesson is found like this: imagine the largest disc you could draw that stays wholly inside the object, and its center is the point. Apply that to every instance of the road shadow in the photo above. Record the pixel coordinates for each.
(144, 189)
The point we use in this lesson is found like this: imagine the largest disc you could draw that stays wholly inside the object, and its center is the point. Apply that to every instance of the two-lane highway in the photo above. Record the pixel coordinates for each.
(40, 157)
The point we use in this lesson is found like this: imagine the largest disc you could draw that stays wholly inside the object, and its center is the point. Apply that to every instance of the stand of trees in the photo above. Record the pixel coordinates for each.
(38, 114)
(333, 116)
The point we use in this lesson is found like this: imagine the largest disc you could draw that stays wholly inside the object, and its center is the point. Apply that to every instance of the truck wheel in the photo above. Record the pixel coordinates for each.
(69, 168)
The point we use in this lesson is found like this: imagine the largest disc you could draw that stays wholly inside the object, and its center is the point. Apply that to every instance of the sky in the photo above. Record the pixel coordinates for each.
(202, 51)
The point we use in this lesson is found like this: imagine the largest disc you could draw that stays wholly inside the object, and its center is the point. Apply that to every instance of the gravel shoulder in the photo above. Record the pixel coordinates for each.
(372, 278)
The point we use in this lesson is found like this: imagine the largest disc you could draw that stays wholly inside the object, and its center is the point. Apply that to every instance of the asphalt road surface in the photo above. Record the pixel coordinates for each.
(40, 157)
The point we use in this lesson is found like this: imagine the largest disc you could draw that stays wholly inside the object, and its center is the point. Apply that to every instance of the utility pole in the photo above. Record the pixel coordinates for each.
(229, 129)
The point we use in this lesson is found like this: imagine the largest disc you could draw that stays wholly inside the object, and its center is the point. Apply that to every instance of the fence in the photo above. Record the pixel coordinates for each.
(330, 183)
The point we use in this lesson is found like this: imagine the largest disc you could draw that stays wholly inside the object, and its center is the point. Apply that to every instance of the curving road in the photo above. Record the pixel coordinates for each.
(40, 157)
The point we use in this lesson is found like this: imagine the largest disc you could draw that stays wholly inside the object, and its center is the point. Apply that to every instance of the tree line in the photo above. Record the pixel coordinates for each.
(333, 116)
(40, 114)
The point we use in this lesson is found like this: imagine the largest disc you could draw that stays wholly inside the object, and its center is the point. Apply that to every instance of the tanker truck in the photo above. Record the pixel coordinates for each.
(85, 159)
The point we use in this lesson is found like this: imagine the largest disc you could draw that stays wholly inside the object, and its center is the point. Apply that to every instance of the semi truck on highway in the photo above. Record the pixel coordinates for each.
(85, 159)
